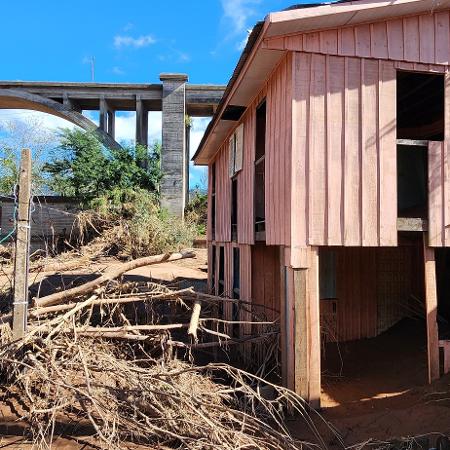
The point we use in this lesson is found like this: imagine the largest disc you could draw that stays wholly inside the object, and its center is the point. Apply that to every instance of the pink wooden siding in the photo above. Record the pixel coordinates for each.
(372, 287)
(245, 180)
(278, 154)
(278, 93)
(245, 252)
(245, 266)
(438, 194)
(424, 39)
(209, 234)
(344, 153)
(223, 196)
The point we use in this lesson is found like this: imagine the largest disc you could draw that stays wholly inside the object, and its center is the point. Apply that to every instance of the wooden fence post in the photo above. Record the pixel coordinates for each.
(21, 261)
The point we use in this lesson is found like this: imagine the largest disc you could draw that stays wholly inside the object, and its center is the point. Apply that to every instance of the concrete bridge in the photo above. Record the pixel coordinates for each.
(173, 96)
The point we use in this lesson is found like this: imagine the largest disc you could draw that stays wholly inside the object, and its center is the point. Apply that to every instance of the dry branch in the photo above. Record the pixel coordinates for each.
(193, 325)
(108, 276)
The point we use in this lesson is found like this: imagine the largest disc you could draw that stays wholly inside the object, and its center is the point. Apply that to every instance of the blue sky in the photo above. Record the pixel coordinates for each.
(131, 41)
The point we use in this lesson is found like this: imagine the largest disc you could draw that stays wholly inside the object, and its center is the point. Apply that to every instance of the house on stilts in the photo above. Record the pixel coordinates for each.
(329, 180)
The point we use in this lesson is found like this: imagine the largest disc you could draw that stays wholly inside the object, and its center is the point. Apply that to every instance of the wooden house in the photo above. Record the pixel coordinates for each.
(329, 176)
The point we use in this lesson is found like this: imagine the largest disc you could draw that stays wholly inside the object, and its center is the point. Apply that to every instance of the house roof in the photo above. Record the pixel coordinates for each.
(256, 63)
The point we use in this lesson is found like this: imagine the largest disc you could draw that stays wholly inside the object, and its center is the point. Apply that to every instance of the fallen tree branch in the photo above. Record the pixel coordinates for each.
(109, 275)
(193, 325)
(34, 313)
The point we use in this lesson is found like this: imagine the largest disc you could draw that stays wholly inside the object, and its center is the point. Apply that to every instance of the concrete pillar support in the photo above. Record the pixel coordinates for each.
(173, 156)
(107, 118)
(141, 122)
(103, 115)
(67, 101)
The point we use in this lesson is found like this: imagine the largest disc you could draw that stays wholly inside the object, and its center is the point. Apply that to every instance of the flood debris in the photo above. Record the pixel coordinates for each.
(116, 359)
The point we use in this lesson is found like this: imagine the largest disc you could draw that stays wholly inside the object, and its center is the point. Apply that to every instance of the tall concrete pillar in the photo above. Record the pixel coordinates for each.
(173, 155)
(112, 123)
(141, 122)
(103, 115)
(107, 118)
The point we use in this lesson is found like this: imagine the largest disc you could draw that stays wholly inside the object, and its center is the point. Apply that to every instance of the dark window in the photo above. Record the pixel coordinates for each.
(420, 106)
(213, 270)
(327, 274)
(221, 285)
(236, 273)
(234, 208)
(236, 289)
(412, 181)
(420, 118)
(213, 202)
(260, 153)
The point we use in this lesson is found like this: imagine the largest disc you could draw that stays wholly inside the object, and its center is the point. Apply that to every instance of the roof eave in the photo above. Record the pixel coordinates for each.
(292, 21)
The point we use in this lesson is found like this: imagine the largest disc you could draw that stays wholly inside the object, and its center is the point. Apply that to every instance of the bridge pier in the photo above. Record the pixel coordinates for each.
(174, 183)
(174, 97)
(107, 118)
(141, 122)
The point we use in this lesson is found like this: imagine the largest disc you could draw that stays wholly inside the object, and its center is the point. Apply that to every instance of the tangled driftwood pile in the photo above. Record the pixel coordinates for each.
(103, 357)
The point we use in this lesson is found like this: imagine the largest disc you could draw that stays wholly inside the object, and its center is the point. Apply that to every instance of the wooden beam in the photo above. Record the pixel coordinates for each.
(412, 142)
(412, 224)
(21, 260)
(431, 312)
(284, 326)
(307, 331)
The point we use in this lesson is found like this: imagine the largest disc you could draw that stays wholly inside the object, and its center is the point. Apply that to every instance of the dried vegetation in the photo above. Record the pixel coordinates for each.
(116, 359)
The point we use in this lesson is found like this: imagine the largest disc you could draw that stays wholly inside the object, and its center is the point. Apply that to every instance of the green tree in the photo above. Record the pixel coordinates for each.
(83, 168)
(23, 133)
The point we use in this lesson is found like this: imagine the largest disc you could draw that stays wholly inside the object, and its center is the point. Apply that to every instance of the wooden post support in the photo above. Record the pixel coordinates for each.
(307, 331)
(431, 312)
(22, 247)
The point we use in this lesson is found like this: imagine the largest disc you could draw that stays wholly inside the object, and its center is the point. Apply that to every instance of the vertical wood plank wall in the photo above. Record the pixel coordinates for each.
(423, 39)
(373, 285)
(223, 196)
(209, 234)
(344, 136)
(278, 93)
(245, 180)
(278, 154)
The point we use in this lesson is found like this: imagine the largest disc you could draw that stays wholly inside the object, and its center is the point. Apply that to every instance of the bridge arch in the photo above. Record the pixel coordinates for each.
(18, 99)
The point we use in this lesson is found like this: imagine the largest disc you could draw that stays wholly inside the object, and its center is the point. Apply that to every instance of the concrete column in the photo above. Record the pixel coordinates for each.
(141, 122)
(67, 101)
(107, 118)
(173, 156)
(186, 164)
(103, 116)
(111, 123)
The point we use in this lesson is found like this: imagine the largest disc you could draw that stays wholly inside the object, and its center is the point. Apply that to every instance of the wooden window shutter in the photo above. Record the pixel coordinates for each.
(231, 146)
(239, 148)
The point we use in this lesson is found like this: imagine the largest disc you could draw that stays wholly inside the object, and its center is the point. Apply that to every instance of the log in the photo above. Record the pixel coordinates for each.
(195, 317)
(109, 275)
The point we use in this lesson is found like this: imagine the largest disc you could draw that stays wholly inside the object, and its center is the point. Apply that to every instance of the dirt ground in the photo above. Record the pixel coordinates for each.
(377, 388)
(372, 389)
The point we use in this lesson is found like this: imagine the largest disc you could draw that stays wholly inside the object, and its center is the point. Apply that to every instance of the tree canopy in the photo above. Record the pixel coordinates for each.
(82, 167)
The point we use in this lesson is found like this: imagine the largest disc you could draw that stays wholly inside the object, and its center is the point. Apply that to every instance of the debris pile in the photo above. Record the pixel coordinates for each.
(115, 358)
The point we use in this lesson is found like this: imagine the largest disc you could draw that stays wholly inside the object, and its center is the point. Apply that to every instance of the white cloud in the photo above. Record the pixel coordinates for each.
(198, 128)
(117, 71)
(238, 12)
(243, 43)
(129, 41)
(197, 174)
(25, 116)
